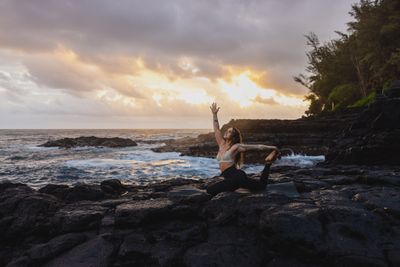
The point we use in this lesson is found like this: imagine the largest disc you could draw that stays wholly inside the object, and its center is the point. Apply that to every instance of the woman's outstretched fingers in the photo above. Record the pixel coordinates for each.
(214, 108)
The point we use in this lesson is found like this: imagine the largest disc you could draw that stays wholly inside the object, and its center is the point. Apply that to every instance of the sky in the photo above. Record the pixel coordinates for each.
(156, 63)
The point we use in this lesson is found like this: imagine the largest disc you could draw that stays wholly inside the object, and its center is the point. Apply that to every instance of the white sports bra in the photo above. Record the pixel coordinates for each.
(227, 157)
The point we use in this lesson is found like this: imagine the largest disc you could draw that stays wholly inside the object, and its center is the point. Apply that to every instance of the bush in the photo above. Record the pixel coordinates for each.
(364, 101)
(343, 95)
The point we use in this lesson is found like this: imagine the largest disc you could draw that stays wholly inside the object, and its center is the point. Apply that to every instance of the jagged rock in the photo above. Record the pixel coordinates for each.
(293, 227)
(55, 246)
(57, 190)
(137, 212)
(221, 249)
(78, 217)
(113, 186)
(135, 251)
(385, 199)
(93, 253)
(84, 192)
(221, 209)
(188, 194)
(90, 141)
(20, 262)
(373, 138)
(24, 213)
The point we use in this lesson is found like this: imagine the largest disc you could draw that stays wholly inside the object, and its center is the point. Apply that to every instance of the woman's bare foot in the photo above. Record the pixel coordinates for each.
(272, 156)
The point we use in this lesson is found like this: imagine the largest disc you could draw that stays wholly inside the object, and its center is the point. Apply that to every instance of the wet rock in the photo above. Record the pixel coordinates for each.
(293, 227)
(221, 249)
(25, 213)
(135, 251)
(113, 187)
(20, 262)
(55, 246)
(360, 261)
(385, 199)
(285, 262)
(167, 185)
(248, 208)
(393, 256)
(221, 208)
(7, 184)
(78, 217)
(57, 190)
(84, 192)
(168, 253)
(137, 212)
(96, 252)
(188, 194)
(90, 141)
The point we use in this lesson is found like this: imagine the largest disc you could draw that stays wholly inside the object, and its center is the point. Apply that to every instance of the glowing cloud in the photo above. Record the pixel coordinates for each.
(243, 90)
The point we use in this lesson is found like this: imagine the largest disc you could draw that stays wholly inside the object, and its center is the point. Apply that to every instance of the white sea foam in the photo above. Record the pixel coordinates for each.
(100, 163)
(290, 160)
(300, 160)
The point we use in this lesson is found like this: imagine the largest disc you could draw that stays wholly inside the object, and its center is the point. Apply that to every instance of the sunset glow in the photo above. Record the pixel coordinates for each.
(73, 65)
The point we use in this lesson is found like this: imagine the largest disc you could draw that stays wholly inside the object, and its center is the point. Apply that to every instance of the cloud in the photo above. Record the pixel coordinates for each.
(146, 58)
(267, 101)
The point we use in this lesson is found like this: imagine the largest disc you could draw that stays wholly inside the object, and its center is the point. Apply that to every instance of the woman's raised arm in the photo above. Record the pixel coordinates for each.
(217, 131)
(245, 147)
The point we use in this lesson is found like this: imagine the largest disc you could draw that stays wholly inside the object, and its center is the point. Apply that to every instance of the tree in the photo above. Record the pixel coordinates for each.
(349, 68)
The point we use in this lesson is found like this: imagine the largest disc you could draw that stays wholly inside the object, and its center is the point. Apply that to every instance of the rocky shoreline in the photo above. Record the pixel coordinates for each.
(364, 135)
(328, 215)
(308, 136)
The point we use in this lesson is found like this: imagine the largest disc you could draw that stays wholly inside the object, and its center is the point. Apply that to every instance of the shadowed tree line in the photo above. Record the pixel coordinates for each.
(347, 71)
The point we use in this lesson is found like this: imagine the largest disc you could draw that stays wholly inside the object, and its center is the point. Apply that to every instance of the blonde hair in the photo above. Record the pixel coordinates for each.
(237, 138)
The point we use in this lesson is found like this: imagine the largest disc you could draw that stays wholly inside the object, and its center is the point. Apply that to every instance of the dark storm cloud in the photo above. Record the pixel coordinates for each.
(265, 35)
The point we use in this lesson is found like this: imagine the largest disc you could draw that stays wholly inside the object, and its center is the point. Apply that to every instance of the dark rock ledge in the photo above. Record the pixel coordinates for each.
(90, 141)
(321, 216)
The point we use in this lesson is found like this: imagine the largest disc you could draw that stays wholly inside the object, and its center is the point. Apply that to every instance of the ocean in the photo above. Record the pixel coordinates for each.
(22, 160)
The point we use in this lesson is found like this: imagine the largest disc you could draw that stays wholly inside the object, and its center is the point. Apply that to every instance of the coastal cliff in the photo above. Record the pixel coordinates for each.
(309, 136)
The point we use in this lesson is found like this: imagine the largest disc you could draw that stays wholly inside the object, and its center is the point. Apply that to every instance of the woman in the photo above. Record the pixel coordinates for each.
(230, 157)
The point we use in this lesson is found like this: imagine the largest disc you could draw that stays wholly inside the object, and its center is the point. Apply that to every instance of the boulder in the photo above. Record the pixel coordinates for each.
(139, 212)
(78, 217)
(83, 191)
(90, 141)
(25, 213)
(222, 249)
(96, 252)
(113, 187)
(42, 252)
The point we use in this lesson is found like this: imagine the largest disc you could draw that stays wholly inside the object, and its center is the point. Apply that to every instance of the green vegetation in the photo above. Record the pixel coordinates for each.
(364, 101)
(345, 72)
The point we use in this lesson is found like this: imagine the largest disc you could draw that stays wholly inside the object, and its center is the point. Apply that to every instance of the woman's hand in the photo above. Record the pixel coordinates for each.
(214, 108)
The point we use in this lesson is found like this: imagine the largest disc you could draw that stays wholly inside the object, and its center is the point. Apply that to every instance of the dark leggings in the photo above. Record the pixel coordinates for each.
(235, 178)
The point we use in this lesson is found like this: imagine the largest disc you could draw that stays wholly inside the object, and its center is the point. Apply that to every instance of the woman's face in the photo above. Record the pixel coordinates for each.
(228, 134)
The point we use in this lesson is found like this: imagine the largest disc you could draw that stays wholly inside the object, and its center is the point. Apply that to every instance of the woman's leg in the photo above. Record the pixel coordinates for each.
(253, 184)
(222, 186)
(265, 174)
(261, 184)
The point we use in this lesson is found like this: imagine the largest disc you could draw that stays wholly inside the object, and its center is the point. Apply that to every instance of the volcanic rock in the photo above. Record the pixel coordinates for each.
(90, 141)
